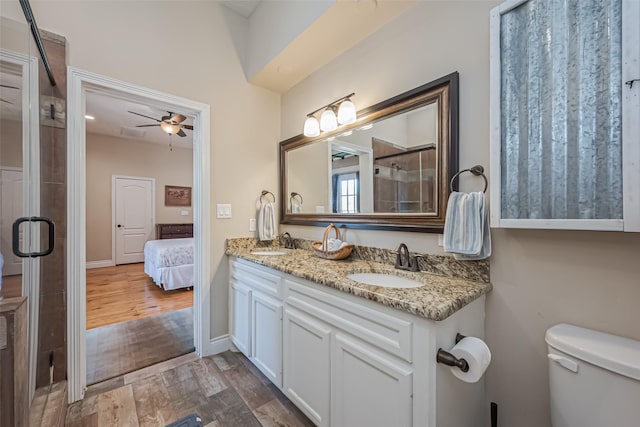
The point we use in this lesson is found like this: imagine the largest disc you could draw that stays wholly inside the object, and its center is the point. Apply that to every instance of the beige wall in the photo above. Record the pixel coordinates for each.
(129, 41)
(540, 278)
(108, 156)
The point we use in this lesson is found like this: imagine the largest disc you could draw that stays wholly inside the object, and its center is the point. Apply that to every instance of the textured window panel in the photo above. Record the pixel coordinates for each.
(561, 112)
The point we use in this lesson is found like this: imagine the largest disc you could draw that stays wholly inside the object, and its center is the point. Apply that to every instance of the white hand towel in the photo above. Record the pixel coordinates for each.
(466, 231)
(267, 228)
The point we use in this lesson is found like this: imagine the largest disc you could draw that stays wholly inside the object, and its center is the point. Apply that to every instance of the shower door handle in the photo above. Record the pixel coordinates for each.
(16, 237)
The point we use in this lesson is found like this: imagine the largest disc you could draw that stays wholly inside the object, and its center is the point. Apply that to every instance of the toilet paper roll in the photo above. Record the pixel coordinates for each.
(477, 355)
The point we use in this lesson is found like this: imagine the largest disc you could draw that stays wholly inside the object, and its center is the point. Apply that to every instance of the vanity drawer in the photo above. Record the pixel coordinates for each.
(256, 277)
(387, 332)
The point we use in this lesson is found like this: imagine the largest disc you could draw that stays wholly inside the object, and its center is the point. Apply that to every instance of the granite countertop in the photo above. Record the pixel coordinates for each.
(438, 299)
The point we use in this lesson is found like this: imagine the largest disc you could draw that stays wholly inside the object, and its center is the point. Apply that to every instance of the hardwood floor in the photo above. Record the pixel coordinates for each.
(224, 390)
(125, 292)
(128, 346)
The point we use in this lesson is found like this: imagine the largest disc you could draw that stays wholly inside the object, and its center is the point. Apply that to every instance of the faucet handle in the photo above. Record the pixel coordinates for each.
(413, 262)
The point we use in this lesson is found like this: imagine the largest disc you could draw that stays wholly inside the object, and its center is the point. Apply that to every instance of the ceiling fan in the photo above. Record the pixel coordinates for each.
(10, 87)
(171, 124)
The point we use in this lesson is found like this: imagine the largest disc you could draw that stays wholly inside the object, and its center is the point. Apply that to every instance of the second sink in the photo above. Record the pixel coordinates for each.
(385, 280)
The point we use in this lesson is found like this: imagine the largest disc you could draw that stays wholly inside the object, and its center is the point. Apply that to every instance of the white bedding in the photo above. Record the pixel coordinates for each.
(169, 262)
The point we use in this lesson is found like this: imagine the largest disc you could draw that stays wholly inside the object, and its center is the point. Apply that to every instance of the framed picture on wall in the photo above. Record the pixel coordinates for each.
(177, 196)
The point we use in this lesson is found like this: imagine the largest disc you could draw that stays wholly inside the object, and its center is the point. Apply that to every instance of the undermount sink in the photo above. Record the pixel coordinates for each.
(270, 252)
(384, 280)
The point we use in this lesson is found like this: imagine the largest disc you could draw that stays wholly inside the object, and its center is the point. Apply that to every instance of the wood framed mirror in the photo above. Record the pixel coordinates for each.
(388, 170)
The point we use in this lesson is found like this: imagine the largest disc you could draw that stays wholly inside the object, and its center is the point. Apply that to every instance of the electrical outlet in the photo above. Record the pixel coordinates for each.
(252, 224)
(223, 210)
(184, 213)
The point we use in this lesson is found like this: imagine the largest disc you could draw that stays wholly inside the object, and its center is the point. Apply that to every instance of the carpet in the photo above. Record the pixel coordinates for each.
(121, 348)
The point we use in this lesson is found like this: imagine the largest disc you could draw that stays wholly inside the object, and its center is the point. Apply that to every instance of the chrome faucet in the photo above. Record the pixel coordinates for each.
(404, 259)
(287, 241)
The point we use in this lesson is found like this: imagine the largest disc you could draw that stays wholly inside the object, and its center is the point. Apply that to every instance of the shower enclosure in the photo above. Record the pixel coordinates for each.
(33, 194)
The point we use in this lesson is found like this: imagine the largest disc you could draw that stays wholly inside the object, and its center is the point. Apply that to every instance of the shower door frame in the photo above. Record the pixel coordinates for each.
(31, 193)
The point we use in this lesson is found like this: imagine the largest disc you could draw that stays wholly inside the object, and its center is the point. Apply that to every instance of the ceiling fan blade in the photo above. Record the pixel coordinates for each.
(146, 126)
(10, 87)
(188, 127)
(176, 119)
(4, 100)
(142, 115)
(181, 133)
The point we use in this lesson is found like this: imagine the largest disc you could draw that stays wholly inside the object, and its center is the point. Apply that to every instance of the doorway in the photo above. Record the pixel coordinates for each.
(139, 288)
(79, 82)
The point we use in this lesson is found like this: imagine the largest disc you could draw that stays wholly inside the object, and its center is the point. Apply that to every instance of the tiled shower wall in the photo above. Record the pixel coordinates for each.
(53, 204)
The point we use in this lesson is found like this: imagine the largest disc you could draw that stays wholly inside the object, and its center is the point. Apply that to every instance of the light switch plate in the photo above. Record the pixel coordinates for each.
(320, 209)
(223, 210)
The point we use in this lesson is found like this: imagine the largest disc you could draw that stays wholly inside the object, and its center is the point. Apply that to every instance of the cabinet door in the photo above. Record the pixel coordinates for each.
(306, 364)
(368, 387)
(564, 133)
(240, 316)
(266, 336)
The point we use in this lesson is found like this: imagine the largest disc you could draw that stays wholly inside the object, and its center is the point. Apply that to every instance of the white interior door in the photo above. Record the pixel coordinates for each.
(134, 217)
(11, 209)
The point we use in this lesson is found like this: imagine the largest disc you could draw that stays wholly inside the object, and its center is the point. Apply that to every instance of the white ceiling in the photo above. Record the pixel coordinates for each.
(112, 118)
(242, 7)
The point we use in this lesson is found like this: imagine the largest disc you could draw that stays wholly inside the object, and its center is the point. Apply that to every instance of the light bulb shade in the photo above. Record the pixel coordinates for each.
(328, 120)
(169, 128)
(346, 112)
(311, 127)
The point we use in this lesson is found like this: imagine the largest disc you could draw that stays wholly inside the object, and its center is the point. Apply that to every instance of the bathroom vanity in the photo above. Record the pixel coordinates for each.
(351, 354)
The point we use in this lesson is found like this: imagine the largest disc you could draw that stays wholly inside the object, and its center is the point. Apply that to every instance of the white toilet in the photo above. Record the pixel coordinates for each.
(594, 378)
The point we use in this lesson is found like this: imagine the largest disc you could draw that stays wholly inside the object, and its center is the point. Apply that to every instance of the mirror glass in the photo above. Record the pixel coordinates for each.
(390, 169)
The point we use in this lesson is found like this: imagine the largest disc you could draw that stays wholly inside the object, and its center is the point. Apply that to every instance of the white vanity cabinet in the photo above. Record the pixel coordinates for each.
(256, 317)
(348, 361)
(306, 363)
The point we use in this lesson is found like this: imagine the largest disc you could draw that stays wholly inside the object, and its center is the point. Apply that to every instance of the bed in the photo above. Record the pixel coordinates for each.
(169, 262)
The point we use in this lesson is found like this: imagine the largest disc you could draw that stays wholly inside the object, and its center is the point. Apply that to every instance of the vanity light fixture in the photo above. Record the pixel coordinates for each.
(329, 121)
(88, 117)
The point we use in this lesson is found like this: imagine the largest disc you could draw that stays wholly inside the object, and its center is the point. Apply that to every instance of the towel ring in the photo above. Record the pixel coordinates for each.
(264, 193)
(294, 195)
(477, 170)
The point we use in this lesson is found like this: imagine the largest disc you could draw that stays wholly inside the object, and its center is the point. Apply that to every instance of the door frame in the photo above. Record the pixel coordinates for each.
(31, 169)
(78, 81)
(113, 208)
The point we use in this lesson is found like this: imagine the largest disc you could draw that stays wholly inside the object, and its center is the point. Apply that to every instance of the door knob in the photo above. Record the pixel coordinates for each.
(119, 225)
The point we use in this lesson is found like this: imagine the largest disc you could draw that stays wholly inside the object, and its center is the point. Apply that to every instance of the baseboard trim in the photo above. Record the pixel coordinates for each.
(100, 264)
(217, 345)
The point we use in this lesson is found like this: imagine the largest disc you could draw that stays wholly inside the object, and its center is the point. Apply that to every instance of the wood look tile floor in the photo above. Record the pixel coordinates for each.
(11, 286)
(125, 292)
(225, 390)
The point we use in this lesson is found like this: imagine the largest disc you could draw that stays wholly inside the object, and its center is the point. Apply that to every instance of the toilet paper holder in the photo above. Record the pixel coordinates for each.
(449, 359)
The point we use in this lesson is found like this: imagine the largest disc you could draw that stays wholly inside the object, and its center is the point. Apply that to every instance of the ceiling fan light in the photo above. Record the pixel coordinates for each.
(311, 127)
(328, 121)
(169, 128)
(346, 112)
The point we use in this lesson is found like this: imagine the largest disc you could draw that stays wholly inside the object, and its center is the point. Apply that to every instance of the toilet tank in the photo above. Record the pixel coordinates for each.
(594, 378)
